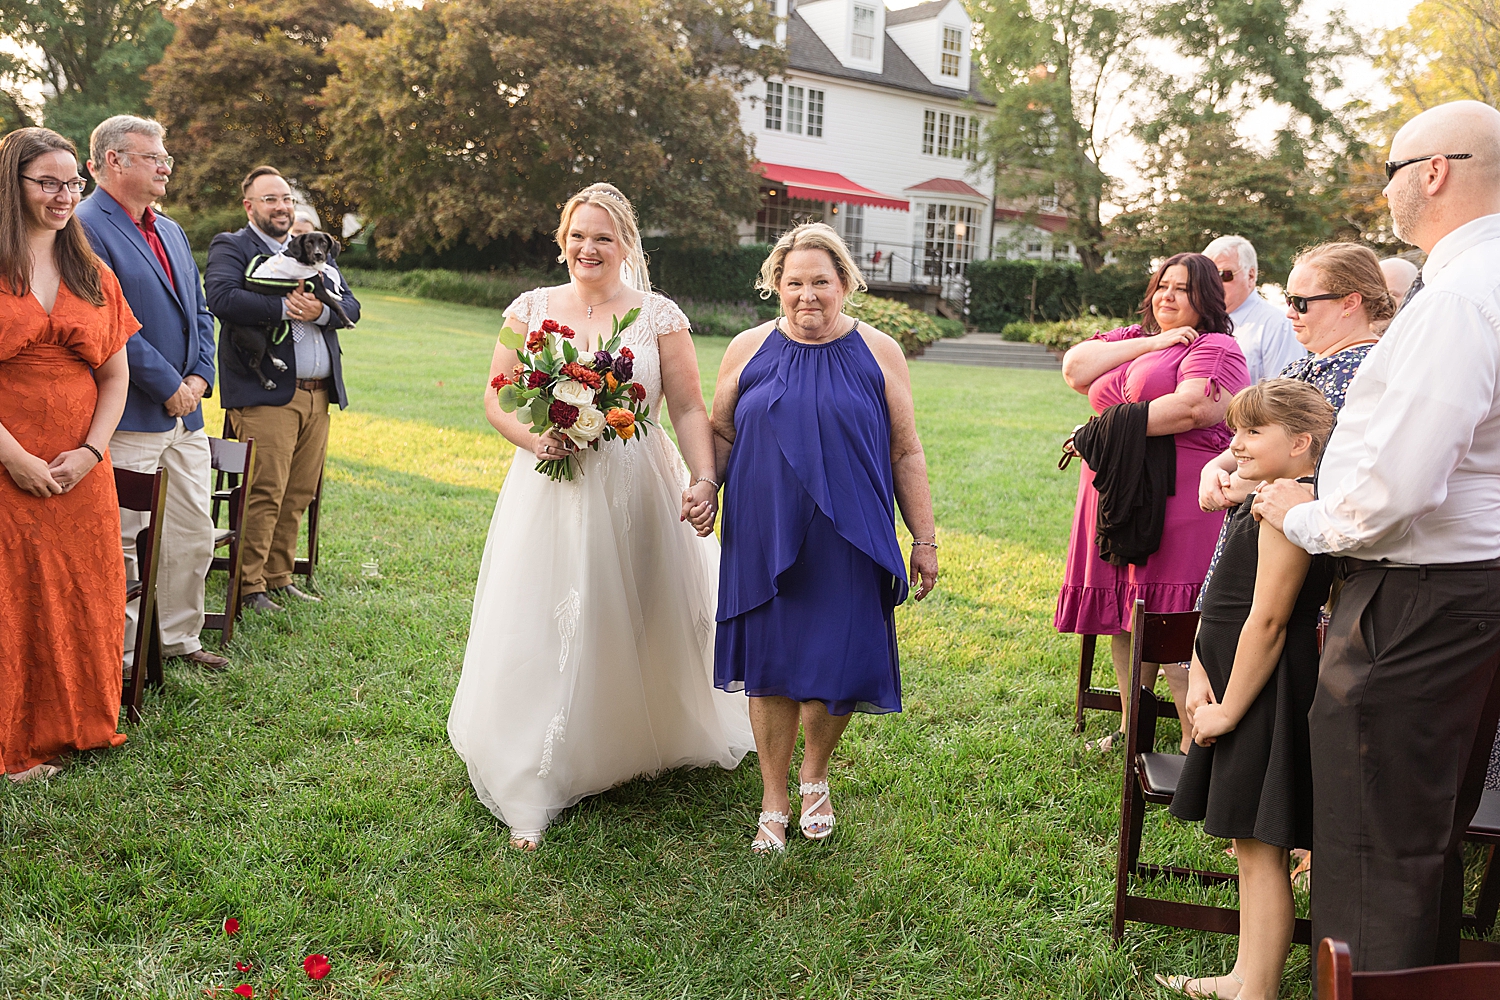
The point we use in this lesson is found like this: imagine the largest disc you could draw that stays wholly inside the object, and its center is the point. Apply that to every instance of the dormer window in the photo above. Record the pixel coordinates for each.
(863, 44)
(953, 41)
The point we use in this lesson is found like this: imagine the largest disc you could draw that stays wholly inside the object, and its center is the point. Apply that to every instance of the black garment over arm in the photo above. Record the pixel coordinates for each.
(1133, 474)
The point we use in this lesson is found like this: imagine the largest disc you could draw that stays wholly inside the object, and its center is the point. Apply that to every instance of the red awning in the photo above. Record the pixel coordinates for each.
(825, 185)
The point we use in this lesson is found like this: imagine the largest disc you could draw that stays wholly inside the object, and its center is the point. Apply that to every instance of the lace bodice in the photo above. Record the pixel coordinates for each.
(659, 316)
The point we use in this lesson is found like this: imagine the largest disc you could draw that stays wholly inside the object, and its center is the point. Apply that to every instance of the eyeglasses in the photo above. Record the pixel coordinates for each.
(1299, 302)
(1391, 166)
(272, 200)
(158, 159)
(51, 185)
(1226, 276)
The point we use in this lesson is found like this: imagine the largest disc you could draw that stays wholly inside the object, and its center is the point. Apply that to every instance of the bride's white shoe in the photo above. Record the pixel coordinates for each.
(766, 839)
(816, 825)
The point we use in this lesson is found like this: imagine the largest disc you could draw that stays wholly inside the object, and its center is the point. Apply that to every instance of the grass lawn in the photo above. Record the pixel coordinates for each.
(310, 791)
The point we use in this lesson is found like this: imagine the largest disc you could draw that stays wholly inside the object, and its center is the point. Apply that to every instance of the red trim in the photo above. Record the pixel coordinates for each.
(947, 185)
(1044, 220)
(825, 185)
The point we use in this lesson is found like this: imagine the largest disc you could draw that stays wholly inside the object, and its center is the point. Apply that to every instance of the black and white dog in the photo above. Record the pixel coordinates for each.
(312, 250)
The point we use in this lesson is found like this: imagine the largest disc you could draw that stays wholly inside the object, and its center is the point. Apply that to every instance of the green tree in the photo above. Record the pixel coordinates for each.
(472, 120)
(1204, 177)
(1056, 68)
(240, 85)
(1448, 50)
(89, 55)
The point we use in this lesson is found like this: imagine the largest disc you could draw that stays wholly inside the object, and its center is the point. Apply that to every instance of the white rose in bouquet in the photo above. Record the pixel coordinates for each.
(589, 425)
(573, 393)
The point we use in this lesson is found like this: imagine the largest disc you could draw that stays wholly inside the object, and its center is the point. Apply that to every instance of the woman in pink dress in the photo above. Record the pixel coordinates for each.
(1182, 360)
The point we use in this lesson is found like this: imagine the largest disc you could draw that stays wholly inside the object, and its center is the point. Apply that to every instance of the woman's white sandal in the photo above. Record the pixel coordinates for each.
(1179, 984)
(770, 842)
(811, 817)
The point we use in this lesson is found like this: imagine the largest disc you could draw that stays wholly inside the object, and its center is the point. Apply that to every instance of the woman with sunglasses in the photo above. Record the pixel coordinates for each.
(1337, 300)
(1182, 360)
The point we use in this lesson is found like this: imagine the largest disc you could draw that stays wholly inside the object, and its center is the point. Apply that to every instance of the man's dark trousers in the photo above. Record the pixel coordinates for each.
(1403, 717)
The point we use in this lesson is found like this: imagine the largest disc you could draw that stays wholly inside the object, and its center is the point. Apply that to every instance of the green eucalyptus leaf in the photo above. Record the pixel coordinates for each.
(511, 339)
(507, 397)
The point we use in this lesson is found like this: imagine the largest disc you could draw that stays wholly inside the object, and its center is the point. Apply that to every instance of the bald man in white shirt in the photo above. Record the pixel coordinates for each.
(1409, 495)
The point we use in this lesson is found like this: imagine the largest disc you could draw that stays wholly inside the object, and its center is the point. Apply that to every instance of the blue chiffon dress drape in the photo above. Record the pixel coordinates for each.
(811, 570)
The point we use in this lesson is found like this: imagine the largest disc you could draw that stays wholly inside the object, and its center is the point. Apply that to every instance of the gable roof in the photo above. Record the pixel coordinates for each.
(947, 185)
(806, 51)
(921, 12)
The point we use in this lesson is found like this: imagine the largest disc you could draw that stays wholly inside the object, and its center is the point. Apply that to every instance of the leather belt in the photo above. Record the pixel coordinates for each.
(1350, 564)
(314, 384)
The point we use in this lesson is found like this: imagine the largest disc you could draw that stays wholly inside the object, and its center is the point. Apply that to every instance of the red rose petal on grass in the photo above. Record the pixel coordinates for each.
(316, 966)
(243, 966)
(231, 926)
(244, 990)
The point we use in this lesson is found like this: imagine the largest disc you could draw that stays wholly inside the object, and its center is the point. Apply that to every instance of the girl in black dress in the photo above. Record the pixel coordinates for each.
(1248, 776)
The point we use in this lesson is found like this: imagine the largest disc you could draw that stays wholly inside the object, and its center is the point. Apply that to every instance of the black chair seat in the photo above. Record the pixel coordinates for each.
(1487, 819)
(1161, 772)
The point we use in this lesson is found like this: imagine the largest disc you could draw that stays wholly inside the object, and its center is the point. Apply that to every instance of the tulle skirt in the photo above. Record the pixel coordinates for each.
(590, 654)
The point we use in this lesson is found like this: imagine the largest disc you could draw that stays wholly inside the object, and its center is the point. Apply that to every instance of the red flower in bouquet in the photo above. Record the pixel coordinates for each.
(537, 379)
(501, 381)
(565, 332)
(626, 352)
(534, 341)
(316, 966)
(562, 414)
(637, 391)
(550, 326)
(587, 376)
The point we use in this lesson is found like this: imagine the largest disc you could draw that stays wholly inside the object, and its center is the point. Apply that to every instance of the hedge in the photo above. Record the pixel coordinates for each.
(684, 271)
(1063, 334)
(1000, 292)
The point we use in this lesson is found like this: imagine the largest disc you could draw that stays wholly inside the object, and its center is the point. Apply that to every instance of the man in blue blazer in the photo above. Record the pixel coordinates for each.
(171, 368)
(290, 422)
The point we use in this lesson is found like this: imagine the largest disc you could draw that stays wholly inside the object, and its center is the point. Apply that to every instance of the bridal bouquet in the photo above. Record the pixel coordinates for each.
(586, 397)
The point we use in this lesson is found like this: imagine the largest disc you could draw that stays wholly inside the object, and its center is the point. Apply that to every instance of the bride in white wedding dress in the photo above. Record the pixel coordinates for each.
(590, 655)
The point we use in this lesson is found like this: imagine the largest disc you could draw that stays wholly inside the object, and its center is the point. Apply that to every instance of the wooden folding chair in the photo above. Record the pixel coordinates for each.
(140, 491)
(233, 463)
(1152, 777)
(1105, 699)
(1484, 829)
(1337, 979)
(305, 566)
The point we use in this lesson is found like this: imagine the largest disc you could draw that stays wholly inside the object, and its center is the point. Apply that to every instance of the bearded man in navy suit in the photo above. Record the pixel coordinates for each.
(171, 367)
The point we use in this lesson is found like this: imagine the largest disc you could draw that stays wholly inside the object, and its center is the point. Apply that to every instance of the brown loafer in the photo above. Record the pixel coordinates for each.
(301, 595)
(205, 659)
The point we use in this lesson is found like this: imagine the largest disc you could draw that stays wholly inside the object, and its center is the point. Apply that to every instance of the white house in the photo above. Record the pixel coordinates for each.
(873, 128)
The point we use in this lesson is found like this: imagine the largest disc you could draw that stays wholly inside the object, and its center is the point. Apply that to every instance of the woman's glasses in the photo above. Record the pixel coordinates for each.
(1299, 302)
(51, 185)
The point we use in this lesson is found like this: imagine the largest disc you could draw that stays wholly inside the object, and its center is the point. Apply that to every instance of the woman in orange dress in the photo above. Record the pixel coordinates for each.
(63, 380)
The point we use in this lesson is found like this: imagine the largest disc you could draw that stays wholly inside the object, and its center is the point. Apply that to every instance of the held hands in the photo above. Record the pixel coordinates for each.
(1273, 500)
(35, 476)
(700, 505)
(71, 466)
(1171, 338)
(924, 569)
(1199, 693)
(187, 397)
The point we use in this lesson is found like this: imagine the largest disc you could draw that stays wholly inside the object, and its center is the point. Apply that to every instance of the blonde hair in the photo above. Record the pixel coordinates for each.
(1284, 402)
(622, 214)
(810, 236)
(1347, 269)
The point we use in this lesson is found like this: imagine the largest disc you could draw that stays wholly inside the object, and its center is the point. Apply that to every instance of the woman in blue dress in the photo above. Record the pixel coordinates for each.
(816, 441)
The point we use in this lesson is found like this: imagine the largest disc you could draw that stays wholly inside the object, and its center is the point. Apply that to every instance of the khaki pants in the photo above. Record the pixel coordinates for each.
(291, 442)
(187, 532)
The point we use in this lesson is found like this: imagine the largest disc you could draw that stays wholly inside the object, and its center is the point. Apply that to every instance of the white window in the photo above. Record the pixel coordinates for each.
(773, 106)
(973, 147)
(948, 239)
(854, 227)
(794, 110)
(815, 113)
(1047, 203)
(959, 131)
(945, 124)
(953, 41)
(863, 44)
(947, 134)
(929, 131)
(1034, 247)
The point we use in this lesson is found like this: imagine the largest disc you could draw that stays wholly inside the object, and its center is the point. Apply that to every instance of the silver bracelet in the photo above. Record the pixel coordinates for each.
(931, 544)
(703, 479)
